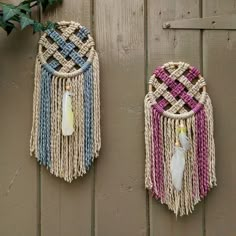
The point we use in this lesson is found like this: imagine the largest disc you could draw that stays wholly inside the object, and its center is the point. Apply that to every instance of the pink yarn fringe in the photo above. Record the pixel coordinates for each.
(202, 152)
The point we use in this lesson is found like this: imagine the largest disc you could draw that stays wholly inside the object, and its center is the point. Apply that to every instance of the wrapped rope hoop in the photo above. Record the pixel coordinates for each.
(180, 150)
(187, 114)
(65, 134)
(68, 33)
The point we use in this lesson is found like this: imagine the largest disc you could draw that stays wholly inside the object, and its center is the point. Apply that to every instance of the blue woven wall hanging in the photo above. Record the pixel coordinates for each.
(65, 134)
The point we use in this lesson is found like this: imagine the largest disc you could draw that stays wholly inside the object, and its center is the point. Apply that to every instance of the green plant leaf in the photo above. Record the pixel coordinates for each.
(46, 3)
(24, 6)
(50, 25)
(7, 26)
(9, 14)
(37, 27)
(9, 11)
(51, 2)
(25, 21)
(5, 4)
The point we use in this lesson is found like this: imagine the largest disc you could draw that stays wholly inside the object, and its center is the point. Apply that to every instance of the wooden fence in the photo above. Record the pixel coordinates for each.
(111, 199)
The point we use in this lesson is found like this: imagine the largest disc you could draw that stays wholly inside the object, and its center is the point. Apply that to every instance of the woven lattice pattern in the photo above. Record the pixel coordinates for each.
(65, 134)
(177, 89)
(67, 48)
(180, 149)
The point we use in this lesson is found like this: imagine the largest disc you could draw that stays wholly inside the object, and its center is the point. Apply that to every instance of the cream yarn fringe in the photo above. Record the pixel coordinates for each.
(182, 202)
(67, 152)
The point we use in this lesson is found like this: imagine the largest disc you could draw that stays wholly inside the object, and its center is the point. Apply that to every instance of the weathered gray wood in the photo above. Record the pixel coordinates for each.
(164, 46)
(219, 60)
(67, 208)
(18, 172)
(120, 198)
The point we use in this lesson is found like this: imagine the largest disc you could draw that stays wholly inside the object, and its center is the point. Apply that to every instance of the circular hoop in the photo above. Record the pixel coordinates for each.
(67, 37)
(166, 113)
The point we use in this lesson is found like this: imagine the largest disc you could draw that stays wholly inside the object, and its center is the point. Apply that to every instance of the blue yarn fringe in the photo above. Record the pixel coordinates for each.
(45, 119)
(88, 117)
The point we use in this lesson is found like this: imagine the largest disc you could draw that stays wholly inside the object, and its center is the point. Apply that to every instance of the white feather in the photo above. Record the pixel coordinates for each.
(184, 140)
(67, 115)
(177, 167)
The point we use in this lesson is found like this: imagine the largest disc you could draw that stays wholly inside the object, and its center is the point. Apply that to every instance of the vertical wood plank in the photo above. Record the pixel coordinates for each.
(120, 198)
(67, 208)
(219, 60)
(164, 46)
(18, 173)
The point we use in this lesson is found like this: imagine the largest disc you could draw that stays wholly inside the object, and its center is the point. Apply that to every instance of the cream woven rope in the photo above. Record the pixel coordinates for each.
(67, 63)
(178, 103)
(176, 71)
(51, 50)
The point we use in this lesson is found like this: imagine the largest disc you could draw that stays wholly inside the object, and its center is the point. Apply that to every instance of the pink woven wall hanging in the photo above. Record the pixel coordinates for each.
(180, 149)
